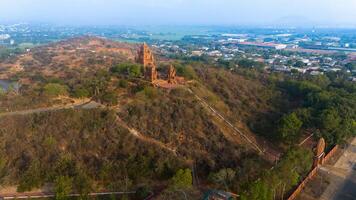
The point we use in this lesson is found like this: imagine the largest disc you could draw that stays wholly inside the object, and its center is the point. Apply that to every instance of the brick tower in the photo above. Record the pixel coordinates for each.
(146, 58)
(171, 75)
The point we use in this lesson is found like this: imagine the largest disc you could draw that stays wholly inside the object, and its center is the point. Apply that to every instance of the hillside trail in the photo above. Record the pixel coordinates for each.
(145, 138)
(89, 105)
(85, 104)
(50, 195)
(262, 146)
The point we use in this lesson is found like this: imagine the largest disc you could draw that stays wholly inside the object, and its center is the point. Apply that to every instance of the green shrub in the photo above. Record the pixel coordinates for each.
(123, 83)
(31, 178)
(83, 184)
(186, 71)
(55, 89)
(63, 187)
(182, 179)
(135, 71)
(143, 192)
(131, 69)
(81, 93)
(150, 92)
(109, 98)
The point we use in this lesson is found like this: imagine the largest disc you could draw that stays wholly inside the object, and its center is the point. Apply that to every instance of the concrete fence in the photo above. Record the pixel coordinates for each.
(311, 175)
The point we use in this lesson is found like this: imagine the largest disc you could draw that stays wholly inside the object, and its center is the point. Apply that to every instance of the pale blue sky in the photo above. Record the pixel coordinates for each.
(181, 12)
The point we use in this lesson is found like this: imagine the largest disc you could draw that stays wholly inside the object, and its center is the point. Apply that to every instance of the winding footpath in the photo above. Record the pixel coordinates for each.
(78, 105)
(37, 195)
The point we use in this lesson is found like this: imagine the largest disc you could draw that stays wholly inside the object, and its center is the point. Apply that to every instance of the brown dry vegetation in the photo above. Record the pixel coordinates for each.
(74, 143)
(59, 59)
(94, 143)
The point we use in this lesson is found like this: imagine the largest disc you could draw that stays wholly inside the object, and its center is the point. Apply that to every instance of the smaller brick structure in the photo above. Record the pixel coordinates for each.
(171, 75)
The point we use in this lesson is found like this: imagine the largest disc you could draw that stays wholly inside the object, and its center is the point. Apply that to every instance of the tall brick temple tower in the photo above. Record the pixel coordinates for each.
(146, 58)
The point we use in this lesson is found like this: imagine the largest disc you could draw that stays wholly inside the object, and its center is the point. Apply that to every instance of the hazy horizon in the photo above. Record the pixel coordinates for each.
(333, 13)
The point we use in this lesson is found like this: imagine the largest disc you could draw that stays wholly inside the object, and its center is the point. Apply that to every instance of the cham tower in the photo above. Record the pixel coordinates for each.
(171, 75)
(146, 58)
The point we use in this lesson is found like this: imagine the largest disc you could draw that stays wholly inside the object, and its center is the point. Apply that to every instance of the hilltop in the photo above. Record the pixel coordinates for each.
(139, 133)
(60, 59)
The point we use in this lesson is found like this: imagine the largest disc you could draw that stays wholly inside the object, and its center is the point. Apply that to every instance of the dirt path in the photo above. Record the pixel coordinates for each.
(37, 195)
(83, 105)
(144, 138)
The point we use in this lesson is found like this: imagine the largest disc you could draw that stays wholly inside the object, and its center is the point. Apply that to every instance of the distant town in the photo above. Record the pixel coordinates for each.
(306, 51)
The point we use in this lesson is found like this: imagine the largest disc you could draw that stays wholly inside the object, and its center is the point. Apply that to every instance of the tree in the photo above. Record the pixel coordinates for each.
(290, 62)
(246, 63)
(81, 93)
(294, 71)
(289, 127)
(55, 89)
(187, 72)
(131, 69)
(260, 190)
(329, 119)
(299, 64)
(122, 83)
(223, 176)
(31, 178)
(135, 70)
(109, 98)
(121, 68)
(305, 115)
(351, 66)
(150, 92)
(143, 192)
(100, 83)
(300, 88)
(83, 184)
(63, 187)
(182, 179)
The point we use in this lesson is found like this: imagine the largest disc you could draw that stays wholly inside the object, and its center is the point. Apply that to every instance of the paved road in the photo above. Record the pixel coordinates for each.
(342, 176)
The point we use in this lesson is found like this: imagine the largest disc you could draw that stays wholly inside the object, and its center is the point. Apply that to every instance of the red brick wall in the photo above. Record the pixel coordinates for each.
(331, 153)
(311, 175)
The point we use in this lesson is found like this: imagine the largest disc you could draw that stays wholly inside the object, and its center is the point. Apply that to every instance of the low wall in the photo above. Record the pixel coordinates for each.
(331, 153)
(300, 187)
(311, 175)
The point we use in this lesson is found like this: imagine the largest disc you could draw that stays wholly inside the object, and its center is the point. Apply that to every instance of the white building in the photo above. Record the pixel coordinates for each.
(280, 46)
(197, 53)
